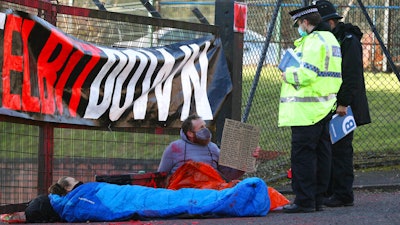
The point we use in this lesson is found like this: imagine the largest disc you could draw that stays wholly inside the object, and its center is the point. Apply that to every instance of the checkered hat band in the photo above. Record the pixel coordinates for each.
(305, 12)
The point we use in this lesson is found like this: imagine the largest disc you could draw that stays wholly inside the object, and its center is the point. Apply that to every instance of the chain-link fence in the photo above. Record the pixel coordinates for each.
(82, 153)
(374, 144)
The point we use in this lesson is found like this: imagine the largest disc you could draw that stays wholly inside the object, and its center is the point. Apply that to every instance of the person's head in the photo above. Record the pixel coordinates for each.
(328, 12)
(195, 130)
(63, 185)
(306, 19)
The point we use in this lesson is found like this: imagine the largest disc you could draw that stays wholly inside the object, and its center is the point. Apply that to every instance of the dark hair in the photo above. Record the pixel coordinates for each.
(313, 18)
(187, 124)
(60, 188)
(57, 189)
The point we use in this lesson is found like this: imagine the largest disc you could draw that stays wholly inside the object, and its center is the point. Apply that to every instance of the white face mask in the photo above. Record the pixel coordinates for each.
(302, 32)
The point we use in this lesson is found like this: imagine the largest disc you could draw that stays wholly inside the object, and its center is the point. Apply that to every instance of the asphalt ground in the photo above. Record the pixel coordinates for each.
(377, 202)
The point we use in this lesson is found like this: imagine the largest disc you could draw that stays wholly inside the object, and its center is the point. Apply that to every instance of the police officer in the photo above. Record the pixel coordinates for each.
(308, 97)
(352, 93)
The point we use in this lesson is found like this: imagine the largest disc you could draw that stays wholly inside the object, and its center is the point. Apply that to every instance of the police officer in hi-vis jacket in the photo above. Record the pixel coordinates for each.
(307, 100)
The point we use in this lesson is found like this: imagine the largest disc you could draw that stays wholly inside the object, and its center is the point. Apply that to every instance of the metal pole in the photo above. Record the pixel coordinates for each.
(99, 5)
(200, 16)
(45, 160)
(385, 32)
(151, 8)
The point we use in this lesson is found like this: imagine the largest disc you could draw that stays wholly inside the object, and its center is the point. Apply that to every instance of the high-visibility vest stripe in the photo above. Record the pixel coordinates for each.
(307, 99)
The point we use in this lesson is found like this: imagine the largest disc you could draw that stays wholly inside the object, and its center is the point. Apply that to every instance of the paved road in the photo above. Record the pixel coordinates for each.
(372, 207)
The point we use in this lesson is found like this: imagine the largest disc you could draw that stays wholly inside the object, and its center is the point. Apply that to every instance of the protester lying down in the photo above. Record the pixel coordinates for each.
(98, 201)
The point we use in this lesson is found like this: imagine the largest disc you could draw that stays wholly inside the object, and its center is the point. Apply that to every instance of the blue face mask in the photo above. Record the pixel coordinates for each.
(203, 137)
(302, 32)
(203, 134)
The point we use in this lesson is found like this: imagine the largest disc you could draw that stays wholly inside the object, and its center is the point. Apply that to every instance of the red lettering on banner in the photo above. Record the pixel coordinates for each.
(73, 60)
(77, 87)
(49, 64)
(29, 103)
(11, 63)
(19, 64)
(48, 68)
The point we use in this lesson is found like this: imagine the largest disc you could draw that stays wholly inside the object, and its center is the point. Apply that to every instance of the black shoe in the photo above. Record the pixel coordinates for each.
(319, 208)
(293, 208)
(334, 202)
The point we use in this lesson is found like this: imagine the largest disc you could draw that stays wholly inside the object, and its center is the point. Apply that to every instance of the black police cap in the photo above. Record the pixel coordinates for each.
(296, 14)
(327, 10)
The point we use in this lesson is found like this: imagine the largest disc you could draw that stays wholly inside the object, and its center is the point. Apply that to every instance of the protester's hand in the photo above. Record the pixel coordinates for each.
(256, 152)
(341, 110)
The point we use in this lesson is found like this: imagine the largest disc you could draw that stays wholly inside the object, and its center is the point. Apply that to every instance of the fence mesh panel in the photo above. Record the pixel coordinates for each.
(374, 144)
(18, 162)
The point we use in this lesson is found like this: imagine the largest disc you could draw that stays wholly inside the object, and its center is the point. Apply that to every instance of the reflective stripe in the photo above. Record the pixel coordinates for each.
(330, 74)
(322, 74)
(307, 99)
(327, 50)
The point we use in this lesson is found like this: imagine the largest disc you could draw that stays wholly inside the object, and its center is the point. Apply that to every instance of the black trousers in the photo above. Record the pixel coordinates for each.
(342, 178)
(311, 162)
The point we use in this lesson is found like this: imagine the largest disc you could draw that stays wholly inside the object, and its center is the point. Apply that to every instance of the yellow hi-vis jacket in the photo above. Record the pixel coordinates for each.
(308, 92)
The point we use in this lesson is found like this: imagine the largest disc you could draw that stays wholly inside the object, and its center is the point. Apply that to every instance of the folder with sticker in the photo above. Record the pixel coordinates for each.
(340, 126)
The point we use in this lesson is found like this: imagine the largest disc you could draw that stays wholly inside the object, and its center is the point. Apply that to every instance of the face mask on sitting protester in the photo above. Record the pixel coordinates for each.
(202, 137)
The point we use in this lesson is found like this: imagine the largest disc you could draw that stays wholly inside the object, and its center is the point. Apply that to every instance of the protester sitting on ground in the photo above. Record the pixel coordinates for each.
(195, 144)
(99, 201)
(192, 162)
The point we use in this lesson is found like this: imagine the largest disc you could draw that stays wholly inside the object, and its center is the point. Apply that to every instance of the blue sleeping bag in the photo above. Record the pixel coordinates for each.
(98, 201)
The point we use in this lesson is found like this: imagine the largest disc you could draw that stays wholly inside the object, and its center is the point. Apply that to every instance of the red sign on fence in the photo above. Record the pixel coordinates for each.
(240, 17)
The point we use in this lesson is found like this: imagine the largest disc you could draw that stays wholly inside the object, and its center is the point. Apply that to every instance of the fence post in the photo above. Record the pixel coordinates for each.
(232, 43)
(45, 158)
